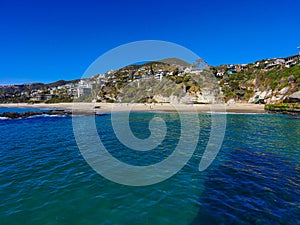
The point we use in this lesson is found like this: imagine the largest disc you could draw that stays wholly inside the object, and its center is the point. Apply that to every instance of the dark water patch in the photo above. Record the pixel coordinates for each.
(251, 187)
(294, 117)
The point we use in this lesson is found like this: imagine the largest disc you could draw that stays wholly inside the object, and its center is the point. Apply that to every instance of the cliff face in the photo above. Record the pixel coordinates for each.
(160, 82)
(267, 81)
(173, 80)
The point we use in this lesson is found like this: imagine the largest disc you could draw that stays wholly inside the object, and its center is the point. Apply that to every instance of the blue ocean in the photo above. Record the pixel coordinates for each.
(255, 178)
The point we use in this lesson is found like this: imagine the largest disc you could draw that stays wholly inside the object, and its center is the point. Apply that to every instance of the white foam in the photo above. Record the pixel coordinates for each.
(45, 115)
(236, 113)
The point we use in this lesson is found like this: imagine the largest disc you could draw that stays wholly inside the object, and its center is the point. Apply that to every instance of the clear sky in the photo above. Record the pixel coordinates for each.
(44, 41)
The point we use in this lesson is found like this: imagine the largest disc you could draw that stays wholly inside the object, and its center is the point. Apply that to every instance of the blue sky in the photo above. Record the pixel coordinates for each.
(44, 41)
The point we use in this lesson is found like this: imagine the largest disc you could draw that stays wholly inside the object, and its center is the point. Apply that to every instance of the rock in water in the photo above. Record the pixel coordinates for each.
(16, 115)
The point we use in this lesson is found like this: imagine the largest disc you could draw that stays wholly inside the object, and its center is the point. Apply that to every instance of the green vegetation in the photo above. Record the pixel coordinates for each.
(243, 84)
(162, 79)
(59, 99)
(283, 107)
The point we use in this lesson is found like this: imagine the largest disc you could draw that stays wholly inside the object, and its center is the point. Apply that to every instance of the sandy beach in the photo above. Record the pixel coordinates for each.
(166, 107)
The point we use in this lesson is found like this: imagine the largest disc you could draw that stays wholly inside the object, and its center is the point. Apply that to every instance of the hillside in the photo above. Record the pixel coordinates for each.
(173, 80)
(265, 81)
(175, 61)
(22, 92)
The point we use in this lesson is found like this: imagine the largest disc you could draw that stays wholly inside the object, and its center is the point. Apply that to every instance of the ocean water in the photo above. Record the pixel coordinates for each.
(255, 178)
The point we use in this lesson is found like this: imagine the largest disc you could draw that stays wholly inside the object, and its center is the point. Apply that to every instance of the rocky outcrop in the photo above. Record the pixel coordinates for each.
(286, 108)
(56, 112)
(269, 96)
(284, 90)
(259, 97)
(16, 115)
(231, 101)
(206, 97)
(295, 97)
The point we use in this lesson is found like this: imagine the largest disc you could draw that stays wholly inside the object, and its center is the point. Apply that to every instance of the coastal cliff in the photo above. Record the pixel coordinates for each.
(269, 81)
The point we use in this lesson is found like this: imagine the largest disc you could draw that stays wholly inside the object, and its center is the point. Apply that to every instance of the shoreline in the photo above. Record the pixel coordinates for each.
(164, 107)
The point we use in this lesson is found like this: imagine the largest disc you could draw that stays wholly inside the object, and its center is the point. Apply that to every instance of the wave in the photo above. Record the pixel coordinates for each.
(4, 118)
(236, 113)
(44, 115)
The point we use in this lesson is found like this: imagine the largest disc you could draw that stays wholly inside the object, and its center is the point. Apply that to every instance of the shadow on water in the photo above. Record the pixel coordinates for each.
(251, 187)
(294, 117)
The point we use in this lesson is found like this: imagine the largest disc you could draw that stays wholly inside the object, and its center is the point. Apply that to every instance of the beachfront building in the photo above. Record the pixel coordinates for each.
(41, 97)
(85, 88)
(83, 92)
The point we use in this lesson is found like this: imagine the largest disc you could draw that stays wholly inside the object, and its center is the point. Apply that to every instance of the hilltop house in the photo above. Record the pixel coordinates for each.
(275, 63)
(186, 70)
(291, 60)
(191, 69)
(220, 73)
(287, 61)
(231, 69)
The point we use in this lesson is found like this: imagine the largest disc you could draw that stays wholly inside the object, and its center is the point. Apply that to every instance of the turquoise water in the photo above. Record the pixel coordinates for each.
(254, 179)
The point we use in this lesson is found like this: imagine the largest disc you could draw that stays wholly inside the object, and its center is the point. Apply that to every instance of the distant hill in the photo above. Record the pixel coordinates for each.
(170, 61)
(32, 86)
(175, 61)
(11, 89)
